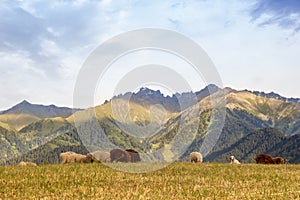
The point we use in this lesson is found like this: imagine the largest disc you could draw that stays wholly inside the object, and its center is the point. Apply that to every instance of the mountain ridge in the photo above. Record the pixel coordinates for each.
(38, 110)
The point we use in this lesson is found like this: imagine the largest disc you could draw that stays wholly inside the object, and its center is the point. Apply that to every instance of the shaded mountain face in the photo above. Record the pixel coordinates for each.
(253, 124)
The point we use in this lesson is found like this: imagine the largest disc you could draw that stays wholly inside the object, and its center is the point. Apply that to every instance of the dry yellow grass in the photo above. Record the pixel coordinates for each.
(177, 181)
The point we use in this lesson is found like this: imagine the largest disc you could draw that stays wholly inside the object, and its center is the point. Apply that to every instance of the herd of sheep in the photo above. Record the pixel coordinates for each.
(115, 155)
(130, 155)
(260, 159)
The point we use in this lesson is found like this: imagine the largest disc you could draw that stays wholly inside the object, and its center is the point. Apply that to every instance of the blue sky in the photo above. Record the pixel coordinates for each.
(254, 44)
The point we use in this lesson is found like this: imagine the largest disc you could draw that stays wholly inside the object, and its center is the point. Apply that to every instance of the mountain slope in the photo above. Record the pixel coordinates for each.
(48, 153)
(25, 113)
(17, 121)
(245, 149)
(275, 113)
(289, 148)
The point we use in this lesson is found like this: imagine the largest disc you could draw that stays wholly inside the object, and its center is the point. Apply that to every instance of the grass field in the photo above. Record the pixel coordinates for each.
(177, 181)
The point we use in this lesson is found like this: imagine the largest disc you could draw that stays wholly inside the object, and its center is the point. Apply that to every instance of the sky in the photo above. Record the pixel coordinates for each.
(253, 44)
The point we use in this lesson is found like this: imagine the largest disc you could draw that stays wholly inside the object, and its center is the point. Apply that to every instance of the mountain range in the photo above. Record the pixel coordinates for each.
(167, 127)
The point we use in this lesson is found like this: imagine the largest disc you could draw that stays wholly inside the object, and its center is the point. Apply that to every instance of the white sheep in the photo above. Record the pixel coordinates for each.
(233, 160)
(196, 157)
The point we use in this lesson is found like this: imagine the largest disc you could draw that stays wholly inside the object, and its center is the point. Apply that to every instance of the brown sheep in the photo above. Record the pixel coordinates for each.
(118, 155)
(87, 159)
(135, 157)
(264, 159)
(278, 160)
(267, 159)
(22, 163)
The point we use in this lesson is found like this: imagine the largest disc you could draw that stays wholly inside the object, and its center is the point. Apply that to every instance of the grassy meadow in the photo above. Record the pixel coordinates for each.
(177, 181)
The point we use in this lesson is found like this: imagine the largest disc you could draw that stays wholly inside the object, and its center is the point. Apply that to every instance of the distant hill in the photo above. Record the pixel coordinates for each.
(39, 111)
(25, 113)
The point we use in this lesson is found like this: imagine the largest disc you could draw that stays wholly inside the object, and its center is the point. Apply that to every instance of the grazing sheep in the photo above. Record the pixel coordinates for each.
(118, 155)
(196, 157)
(278, 160)
(66, 157)
(135, 157)
(267, 159)
(100, 156)
(264, 159)
(78, 158)
(22, 163)
(87, 159)
(233, 160)
(71, 157)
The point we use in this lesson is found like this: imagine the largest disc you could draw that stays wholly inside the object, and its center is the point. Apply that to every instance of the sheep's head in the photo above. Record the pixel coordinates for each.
(90, 156)
(231, 158)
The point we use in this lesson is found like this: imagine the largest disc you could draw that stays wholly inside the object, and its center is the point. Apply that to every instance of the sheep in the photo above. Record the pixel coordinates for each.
(264, 159)
(278, 160)
(100, 156)
(233, 160)
(87, 159)
(135, 157)
(65, 157)
(78, 158)
(22, 163)
(267, 159)
(118, 155)
(196, 157)
(71, 157)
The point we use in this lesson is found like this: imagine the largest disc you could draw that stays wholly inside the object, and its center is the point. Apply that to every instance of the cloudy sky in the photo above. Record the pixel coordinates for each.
(43, 44)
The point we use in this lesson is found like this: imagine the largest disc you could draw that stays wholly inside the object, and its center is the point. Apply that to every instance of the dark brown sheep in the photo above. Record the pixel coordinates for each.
(267, 159)
(118, 155)
(278, 160)
(264, 159)
(135, 157)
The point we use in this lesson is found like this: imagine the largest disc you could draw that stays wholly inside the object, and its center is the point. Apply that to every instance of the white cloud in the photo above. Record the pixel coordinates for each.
(44, 43)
